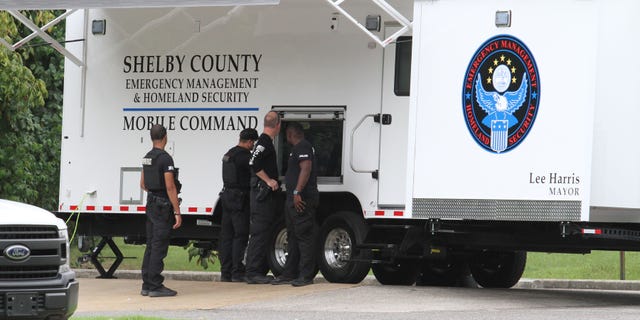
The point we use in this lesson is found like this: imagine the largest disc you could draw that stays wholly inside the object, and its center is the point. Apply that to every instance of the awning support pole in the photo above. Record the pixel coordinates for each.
(391, 11)
(42, 34)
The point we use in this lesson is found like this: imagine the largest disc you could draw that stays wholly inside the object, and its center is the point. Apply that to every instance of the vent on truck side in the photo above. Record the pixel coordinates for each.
(496, 209)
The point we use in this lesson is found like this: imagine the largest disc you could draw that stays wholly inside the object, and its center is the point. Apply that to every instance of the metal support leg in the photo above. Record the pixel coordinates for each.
(118, 255)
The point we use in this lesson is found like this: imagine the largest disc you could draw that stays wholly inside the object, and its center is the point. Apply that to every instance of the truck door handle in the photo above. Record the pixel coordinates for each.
(353, 131)
(382, 118)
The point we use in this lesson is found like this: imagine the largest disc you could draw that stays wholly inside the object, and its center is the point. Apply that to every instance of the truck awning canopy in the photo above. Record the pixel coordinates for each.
(13, 7)
(86, 4)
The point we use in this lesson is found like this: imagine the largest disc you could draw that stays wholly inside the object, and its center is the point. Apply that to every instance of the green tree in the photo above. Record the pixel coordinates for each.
(31, 82)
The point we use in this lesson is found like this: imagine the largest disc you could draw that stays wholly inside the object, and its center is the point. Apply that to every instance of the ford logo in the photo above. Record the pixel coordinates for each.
(17, 252)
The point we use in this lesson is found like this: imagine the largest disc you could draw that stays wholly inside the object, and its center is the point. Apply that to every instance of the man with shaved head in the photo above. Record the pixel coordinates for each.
(264, 183)
(163, 212)
(300, 210)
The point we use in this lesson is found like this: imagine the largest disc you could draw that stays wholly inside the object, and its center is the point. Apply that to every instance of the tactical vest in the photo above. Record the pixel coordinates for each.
(229, 169)
(153, 175)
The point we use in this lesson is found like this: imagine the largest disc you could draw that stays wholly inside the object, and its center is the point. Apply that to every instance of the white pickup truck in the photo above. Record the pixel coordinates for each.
(36, 281)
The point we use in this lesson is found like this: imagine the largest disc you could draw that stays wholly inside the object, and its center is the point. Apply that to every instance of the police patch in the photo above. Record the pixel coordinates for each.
(501, 93)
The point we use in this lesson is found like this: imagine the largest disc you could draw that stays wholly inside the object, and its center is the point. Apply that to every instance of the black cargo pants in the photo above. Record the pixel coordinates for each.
(235, 232)
(301, 236)
(160, 220)
(260, 228)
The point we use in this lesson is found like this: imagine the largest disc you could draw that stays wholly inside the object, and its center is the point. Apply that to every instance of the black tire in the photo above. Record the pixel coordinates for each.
(337, 241)
(445, 273)
(493, 269)
(401, 273)
(278, 248)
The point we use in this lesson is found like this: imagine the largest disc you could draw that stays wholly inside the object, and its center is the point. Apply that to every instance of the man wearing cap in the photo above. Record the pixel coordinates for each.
(235, 207)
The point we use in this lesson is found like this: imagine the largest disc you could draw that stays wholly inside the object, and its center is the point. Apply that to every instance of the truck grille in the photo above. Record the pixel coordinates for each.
(28, 232)
(47, 251)
(24, 272)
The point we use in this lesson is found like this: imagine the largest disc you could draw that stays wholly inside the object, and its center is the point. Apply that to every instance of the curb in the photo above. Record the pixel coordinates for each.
(578, 284)
(188, 276)
(371, 280)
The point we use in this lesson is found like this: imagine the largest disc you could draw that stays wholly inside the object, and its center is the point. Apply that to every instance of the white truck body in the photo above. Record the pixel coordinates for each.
(280, 64)
(584, 120)
(575, 159)
(512, 135)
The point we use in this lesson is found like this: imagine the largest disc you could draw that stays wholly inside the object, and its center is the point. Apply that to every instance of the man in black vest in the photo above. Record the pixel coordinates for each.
(235, 205)
(300, 210)
(264, 183)
(163, 212)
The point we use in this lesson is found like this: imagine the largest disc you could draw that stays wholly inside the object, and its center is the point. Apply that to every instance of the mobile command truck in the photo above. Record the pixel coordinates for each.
(452, 137)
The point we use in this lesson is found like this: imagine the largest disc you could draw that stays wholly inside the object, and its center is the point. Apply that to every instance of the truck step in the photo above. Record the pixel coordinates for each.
(380, 246)
(389, 226)
(372, 261)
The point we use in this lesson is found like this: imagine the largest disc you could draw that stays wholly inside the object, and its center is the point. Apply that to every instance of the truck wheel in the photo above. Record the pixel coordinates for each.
(278, 249)
(338, 237)
(403, 272)
(447, 273)
(492, 269)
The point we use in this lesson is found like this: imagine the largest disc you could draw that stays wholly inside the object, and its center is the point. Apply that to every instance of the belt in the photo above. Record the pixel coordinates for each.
(152, 197)
(237, 188)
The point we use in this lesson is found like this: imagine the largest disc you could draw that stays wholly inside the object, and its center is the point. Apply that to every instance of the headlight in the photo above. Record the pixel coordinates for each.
(64, 251)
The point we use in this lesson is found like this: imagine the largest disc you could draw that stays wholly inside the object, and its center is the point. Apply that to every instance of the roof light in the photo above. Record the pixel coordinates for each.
(503, 19)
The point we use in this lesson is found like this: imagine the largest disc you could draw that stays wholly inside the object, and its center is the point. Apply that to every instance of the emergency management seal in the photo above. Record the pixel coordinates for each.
(501, 93)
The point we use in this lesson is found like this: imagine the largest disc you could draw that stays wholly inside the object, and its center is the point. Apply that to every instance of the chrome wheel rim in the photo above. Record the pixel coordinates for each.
(337, 248)
(280, 247)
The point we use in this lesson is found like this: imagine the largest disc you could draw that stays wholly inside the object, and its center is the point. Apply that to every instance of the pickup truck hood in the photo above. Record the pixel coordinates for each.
(16, 213)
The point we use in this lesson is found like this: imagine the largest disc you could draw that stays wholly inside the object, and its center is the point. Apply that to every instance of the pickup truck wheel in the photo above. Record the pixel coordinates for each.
(493, 269)
(403, 272)
(278, 249)
(338, 237)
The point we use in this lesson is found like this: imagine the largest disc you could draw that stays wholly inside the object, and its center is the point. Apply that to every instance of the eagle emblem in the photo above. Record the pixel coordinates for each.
(501, 93)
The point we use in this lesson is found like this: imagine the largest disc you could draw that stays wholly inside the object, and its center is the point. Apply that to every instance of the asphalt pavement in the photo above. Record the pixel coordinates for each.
(202, 296)
(369, 280)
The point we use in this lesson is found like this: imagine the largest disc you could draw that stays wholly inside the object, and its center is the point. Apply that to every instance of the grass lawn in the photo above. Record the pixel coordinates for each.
(177, 258)
(597, 265)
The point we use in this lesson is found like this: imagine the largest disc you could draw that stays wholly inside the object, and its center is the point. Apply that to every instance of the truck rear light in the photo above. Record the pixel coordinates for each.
(591, 231)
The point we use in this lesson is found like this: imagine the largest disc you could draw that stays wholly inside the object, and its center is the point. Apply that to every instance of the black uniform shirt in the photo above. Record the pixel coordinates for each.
(165, 164)
(241, 161)
(301, 152)
(264, 157)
